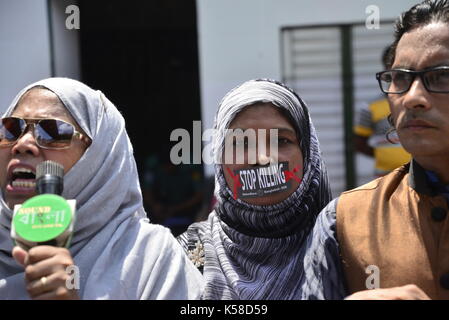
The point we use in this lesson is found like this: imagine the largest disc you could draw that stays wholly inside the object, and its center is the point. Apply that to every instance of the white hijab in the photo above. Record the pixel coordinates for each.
(120, 255)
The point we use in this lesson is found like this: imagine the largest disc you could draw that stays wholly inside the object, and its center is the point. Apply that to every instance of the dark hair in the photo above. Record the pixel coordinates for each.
(386, 57)
(419, 15)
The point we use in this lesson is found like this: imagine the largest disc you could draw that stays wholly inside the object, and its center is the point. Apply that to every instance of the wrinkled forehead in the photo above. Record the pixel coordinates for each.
(253, 94)
(265, 114)
(39, 102)
(423, 47)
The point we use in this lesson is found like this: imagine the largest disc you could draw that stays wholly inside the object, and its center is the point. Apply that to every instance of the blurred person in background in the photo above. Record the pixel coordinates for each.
(173, 194)
(370, 134)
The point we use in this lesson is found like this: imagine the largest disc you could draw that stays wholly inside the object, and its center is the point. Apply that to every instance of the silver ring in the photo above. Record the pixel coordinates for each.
(44, 281)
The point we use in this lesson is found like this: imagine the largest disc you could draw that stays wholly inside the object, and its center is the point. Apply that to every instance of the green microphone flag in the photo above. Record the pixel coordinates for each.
(48, 218)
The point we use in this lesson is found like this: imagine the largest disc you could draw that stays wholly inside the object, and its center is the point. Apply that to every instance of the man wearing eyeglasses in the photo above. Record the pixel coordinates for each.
(389, 239)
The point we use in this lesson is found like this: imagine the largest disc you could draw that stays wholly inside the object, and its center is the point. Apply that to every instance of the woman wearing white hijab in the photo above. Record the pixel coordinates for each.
(253, 248)
(118, 253)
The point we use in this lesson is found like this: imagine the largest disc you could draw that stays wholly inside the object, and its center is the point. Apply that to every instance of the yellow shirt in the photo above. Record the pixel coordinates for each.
(373, 124)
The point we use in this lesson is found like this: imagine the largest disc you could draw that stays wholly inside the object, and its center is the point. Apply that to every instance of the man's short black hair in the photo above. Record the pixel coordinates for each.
(386, 56)
(421, 14)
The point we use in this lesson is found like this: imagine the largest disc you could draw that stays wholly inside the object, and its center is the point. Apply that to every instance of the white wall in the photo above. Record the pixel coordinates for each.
(25, 53)
(66, 45)
(240, 40)
(24, 46)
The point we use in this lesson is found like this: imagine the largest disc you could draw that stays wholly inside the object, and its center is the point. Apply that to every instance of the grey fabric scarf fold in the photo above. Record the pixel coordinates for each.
(256, 252)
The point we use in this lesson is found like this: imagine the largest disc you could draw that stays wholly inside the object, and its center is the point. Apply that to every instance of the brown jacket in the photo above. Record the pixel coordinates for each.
(399, 224)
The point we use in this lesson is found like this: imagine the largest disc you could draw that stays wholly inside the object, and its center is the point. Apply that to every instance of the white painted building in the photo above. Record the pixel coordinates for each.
(34, 45)
(242, 40)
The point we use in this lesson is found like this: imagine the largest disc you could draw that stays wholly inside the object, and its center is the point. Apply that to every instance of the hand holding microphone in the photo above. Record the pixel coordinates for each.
(42, 228)
(45, 219)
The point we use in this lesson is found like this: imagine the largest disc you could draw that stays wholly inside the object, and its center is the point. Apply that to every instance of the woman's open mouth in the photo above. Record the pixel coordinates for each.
(22, 180)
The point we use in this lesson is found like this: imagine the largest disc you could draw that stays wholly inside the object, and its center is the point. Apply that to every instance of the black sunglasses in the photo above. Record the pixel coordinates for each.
(48, 133)
(399, 81)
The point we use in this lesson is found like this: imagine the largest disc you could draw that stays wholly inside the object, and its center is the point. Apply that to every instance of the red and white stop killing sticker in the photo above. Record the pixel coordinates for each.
(262, 180)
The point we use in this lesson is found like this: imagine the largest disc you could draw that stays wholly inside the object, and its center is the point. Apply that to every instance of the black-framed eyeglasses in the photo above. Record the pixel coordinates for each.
(48, 133)
(399, 81)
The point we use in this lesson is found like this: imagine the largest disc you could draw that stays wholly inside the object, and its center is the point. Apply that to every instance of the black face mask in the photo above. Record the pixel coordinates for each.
(261, 181)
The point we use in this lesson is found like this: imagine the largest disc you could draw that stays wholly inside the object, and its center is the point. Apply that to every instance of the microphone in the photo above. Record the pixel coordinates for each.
(48, 218)
(49, 178)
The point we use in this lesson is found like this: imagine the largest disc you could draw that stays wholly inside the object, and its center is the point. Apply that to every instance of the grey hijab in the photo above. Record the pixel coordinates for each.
(119, 254)
(256, 252)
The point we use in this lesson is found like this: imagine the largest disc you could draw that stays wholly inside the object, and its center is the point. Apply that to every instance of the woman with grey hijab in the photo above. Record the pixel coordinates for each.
(252, 247)
(118, 254)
